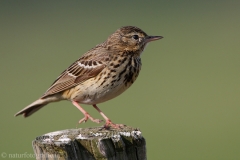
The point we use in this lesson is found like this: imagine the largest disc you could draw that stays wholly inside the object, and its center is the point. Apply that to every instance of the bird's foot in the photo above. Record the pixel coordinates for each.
(87, 116)
(109, 124)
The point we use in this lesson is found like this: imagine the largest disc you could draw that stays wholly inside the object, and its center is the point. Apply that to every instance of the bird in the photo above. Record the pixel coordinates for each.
(101, 74)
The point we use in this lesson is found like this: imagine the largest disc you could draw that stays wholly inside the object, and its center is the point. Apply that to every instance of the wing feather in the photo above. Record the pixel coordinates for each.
(88, 66)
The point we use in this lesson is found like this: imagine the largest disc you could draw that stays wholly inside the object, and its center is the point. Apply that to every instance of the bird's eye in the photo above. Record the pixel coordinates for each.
(135, 37)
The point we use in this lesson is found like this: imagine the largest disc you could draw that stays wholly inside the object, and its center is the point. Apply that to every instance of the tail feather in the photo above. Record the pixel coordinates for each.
(33, 107)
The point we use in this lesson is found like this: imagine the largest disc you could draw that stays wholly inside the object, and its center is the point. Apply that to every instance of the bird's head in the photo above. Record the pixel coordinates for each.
(130, 38)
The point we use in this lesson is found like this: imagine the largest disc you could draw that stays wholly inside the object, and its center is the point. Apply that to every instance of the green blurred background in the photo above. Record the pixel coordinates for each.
(186, 100)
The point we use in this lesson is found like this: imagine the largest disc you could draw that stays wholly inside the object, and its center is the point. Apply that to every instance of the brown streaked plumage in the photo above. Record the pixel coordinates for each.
(99, 75)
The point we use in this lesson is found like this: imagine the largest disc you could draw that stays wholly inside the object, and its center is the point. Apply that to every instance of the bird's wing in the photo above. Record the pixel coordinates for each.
(88, 66)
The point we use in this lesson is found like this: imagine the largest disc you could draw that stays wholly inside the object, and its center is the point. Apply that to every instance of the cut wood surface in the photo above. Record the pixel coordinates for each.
(95, 143)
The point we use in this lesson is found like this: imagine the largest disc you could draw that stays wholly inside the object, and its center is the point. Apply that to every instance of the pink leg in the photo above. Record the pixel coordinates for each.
(108, 121)
(86, 115)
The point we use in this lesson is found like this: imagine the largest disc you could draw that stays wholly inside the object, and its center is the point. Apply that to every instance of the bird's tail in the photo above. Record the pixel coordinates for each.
(33, 107)
(36, 105)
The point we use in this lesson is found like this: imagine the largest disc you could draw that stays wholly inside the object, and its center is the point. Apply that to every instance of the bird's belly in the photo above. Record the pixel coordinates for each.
(99, 93)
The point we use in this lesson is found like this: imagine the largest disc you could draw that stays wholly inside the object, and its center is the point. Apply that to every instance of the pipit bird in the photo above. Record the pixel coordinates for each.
(101, 74)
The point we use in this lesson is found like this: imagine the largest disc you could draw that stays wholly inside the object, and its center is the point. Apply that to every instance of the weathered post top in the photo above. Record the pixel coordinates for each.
(95, 143)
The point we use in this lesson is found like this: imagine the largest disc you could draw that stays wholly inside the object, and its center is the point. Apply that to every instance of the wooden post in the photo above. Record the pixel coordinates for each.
(96, 143)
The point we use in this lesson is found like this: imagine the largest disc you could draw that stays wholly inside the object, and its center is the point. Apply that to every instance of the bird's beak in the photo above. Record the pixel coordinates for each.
(152, 38)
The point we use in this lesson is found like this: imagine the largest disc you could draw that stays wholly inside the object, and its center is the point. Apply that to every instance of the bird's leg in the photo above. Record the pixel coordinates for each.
(108, 121)
(86, 114)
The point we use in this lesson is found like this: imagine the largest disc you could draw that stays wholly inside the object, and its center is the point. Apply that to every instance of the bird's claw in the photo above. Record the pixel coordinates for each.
(109, 124)
(87, 116)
